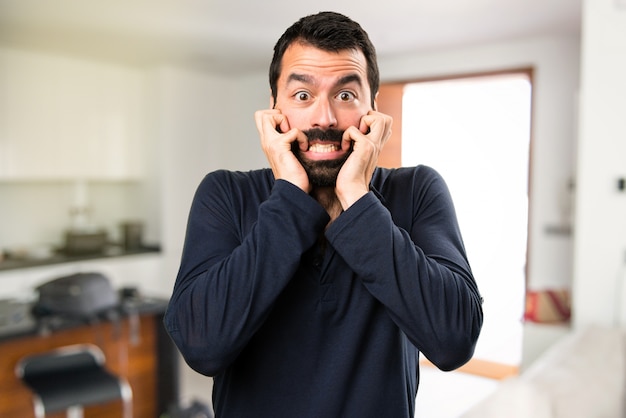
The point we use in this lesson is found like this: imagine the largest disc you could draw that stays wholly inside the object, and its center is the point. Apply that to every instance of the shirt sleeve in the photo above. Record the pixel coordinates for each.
(420, 274)
(229, 278)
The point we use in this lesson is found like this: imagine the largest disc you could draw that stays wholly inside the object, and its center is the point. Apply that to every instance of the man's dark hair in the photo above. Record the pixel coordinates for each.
(328, 31)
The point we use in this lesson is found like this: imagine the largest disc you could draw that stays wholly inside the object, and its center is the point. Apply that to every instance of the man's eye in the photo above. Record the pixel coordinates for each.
(302, 96)
(346, 96)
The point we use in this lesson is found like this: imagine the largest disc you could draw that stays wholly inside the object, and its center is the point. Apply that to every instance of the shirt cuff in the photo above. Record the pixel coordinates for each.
(358, 213)
(295, 196)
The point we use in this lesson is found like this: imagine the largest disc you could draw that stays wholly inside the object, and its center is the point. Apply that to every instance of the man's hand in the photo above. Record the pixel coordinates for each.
(276, 140)
(354, 178)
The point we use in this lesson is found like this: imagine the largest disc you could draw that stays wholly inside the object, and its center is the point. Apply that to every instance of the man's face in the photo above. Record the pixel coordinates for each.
(323, 93)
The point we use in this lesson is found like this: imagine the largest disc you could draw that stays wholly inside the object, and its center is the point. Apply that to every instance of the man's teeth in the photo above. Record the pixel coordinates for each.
(323, 147)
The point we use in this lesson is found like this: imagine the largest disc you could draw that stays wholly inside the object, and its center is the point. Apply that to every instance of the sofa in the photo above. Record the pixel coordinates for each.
(581, 376)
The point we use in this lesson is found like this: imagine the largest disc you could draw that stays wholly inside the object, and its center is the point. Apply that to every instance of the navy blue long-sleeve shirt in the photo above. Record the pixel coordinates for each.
(297, 319)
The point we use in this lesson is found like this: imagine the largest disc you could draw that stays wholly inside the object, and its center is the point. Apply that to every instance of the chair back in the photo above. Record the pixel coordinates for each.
(62, 360)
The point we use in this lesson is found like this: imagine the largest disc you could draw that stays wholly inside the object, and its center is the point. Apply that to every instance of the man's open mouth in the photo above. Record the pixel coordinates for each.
(324, 144)
(322, 147)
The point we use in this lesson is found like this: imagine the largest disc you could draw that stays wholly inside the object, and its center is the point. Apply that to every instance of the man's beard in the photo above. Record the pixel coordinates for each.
(322, 173)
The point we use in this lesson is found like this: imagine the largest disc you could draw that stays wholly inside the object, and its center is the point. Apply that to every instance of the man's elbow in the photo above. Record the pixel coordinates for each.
(199, 357)
(203, 365)
(452, 361)
(456, 348)
(197, 352)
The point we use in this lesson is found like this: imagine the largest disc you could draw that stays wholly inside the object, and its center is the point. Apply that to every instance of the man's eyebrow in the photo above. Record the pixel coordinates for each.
(303, 78)
(349, 79)
(306, 79)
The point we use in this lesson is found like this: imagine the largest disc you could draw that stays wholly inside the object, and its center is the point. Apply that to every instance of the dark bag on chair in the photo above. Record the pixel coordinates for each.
(80, 294)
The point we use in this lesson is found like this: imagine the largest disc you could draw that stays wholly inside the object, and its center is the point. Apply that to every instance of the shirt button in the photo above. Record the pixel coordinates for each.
(317, 262)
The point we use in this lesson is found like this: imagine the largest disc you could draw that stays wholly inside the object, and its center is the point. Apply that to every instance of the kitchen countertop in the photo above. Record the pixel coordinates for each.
(17, 318)
(9, 263)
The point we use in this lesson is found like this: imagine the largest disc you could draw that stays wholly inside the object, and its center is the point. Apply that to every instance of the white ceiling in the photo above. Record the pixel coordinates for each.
(238, 35)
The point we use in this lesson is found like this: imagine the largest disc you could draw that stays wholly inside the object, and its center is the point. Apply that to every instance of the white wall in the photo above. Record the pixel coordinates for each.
(600, 245)
(248, 94)
(202, 123)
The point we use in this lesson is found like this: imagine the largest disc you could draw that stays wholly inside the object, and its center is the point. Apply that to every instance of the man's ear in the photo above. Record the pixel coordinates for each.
(272, 103)
(375, 104)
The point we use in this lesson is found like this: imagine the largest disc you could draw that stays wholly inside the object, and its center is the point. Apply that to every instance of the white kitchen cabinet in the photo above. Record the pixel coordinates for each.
(65, 118)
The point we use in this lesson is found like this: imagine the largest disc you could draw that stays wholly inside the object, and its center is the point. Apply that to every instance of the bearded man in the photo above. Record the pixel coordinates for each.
(309, 289)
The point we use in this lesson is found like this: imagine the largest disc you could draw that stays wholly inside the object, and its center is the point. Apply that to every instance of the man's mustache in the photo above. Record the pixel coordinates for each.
(324, 135)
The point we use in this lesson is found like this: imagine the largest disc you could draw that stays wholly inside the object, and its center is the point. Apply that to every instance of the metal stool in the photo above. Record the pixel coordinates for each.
(70, 378)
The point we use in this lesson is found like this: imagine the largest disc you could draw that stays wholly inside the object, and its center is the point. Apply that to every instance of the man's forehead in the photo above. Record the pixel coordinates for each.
(301, 61)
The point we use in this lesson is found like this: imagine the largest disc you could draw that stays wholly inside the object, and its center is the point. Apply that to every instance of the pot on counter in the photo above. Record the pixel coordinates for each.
(80, 242)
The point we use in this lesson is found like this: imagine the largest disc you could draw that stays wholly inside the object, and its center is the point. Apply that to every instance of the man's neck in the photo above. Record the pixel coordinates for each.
(328, 199)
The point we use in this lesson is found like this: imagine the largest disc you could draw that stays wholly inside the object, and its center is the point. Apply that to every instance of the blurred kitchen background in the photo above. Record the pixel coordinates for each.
(112, 112)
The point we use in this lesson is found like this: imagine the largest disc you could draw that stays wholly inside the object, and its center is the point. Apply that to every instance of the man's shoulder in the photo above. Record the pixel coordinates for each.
(415, 175)
(239, 177)
(231, 181)
(222, 174)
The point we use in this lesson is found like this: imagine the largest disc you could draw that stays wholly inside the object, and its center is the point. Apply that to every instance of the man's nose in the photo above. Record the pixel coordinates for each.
(323, 115)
